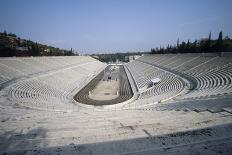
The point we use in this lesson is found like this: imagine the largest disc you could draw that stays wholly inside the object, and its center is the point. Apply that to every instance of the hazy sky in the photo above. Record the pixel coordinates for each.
(115, 25)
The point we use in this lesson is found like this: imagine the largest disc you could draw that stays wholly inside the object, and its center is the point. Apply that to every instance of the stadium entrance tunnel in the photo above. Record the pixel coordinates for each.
(111, 86)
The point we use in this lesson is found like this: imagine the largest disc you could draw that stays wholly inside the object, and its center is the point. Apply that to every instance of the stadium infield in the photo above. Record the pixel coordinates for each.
(117, 89)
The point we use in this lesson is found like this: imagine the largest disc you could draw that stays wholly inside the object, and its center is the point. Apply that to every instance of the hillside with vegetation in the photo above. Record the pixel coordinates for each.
(12, 45)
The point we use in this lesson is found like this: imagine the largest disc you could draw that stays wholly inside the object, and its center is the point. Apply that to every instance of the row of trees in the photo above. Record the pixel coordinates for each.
(202, 46)
(4, 33)
(113, 57)
(11, 45)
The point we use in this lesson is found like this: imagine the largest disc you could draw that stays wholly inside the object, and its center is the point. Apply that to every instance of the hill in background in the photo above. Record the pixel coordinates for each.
(11, 45)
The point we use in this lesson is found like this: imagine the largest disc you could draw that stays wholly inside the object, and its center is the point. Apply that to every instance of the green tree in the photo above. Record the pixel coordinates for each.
(219, 43)
(208, 43)
(5, 33)
(177, 43)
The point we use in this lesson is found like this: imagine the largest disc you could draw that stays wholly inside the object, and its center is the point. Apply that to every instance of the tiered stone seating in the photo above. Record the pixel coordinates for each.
(16, 65)
(211, 73)
(186, 126)
(169, 86)
(139, 131)
(141, 73)
(53, 90)
(12, 68)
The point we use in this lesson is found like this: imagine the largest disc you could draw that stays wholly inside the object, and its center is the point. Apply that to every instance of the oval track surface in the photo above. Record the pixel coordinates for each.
(125, 92)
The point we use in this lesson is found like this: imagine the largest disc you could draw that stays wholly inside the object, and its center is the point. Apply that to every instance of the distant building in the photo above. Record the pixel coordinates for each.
(47, 50)
(133, 57)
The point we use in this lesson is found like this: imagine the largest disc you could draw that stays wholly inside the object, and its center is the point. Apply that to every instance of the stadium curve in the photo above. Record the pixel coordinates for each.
(189, 111)
(124, 90)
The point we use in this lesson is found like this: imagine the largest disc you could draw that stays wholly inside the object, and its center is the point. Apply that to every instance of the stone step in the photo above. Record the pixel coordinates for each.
(228, 109)
(142, 141)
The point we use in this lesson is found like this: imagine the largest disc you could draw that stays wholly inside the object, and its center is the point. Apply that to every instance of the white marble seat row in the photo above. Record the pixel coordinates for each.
(53, 90)
(169, 85)
(11, 68)
(210, 71)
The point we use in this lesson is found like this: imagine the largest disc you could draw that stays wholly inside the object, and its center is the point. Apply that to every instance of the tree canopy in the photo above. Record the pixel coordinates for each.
(198, 46)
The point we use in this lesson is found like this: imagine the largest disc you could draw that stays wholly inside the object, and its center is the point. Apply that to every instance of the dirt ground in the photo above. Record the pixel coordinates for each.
(105, 90)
